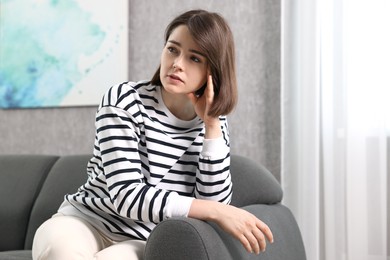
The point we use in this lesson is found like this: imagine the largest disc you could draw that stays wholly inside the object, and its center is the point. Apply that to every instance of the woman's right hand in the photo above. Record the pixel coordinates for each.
(241, 224)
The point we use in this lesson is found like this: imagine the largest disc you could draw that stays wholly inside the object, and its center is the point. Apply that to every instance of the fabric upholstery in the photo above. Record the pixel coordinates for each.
(16, 255)
(253, 183)
(21, 178)
(189, 239)
(37, 184)
(67, 174)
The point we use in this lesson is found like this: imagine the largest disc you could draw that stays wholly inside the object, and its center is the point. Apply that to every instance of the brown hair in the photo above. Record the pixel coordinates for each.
(215, 39)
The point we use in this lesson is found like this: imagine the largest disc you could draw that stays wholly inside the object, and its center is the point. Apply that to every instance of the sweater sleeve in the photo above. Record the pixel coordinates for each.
(213, 180)
(118, 135)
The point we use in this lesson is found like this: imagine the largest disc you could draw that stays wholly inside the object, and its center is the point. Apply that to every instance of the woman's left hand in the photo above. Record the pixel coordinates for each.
(202, 107)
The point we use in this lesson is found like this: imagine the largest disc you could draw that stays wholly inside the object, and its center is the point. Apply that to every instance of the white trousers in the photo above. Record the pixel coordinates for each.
(71, 238)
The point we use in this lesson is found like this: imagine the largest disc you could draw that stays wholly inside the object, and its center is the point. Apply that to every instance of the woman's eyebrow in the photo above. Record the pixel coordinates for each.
(191, 50)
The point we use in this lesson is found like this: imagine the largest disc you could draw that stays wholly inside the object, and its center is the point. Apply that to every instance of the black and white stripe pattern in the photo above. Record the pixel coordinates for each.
(148, 165)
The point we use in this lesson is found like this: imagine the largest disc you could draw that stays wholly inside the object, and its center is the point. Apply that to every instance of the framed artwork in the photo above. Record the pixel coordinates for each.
(61, 52)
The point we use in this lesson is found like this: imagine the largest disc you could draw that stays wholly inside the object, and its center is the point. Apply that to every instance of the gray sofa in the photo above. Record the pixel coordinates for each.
(32, 187)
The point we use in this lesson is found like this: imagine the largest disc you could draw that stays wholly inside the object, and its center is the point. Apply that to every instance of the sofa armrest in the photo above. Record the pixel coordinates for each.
(191, 239)
(185, 238)
(253, 183)
(288, 243)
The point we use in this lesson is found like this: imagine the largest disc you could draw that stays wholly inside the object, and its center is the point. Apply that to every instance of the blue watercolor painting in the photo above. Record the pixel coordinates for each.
(60, 52)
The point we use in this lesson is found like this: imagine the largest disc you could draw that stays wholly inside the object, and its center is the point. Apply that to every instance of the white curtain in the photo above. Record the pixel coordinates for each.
(336, 125)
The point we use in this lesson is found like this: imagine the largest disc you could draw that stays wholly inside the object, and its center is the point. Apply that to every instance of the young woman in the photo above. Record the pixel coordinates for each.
(161, 151)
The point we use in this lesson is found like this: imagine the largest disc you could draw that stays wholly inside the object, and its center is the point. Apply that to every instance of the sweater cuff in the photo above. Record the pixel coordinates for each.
(213, 148)
(179, 206)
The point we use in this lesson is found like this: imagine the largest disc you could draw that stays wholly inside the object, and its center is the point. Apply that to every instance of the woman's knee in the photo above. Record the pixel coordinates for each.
(126, 250)
(64, 237)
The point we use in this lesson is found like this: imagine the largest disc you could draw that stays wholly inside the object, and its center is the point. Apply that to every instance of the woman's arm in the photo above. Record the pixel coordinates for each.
(213, 179)
(244, 226)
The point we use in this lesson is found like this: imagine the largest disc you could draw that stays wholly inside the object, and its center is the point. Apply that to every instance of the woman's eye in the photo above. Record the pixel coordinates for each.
(172, 49)
(196, 59)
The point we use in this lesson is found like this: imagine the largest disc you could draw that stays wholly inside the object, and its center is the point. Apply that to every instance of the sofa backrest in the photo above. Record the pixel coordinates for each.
(66, 176)
(253, 183)
(21, 178)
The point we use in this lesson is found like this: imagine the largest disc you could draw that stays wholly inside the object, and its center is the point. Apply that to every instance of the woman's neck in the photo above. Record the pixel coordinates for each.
(179, 105)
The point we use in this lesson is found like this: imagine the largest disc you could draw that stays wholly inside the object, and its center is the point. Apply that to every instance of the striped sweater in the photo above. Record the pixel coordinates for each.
(147, 165)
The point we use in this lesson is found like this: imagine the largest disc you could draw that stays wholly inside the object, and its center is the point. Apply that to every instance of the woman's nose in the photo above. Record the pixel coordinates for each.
(178, 63)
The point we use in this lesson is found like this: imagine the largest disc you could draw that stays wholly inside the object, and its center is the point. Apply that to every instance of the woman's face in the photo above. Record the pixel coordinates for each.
(183, 66)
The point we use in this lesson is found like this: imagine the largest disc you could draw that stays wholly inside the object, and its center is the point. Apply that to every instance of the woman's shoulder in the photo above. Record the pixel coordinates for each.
(126, 92)
(128, 88)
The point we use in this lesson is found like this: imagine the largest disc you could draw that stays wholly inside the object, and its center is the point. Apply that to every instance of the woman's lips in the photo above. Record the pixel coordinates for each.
(175, 77)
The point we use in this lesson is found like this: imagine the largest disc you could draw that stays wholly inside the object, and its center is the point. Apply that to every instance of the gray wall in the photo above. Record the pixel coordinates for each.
(254, 125)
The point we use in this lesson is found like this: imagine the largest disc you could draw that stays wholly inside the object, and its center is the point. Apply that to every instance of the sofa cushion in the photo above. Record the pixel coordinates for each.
(66, 176)
(21, 177)
(16, 255)
(253, 183)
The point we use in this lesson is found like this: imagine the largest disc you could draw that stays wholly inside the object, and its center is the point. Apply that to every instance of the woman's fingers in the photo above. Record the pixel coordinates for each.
(265, 230)
(245, 242)
(260, 238)
(204, 102)
(246, 227)
(255, 241)
(210, 89)
(256, 237)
